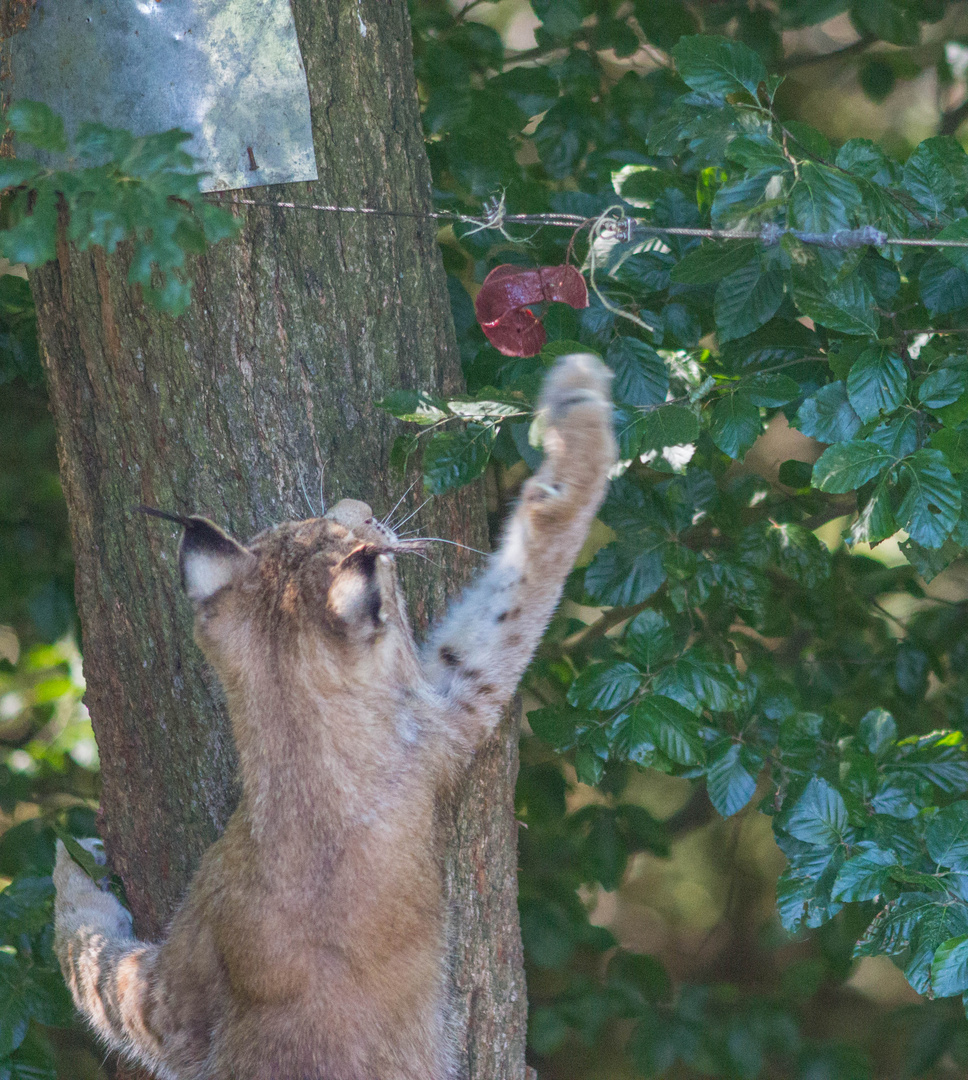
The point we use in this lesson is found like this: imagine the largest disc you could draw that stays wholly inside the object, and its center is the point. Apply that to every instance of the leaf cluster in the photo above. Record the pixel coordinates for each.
(114, 187)
(732, 648)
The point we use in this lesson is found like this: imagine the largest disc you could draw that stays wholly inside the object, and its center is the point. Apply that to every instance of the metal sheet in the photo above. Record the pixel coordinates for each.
(228, 71)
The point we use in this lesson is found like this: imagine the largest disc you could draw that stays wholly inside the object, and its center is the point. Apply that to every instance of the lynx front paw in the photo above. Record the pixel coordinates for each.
(82, 904)
(576, 379)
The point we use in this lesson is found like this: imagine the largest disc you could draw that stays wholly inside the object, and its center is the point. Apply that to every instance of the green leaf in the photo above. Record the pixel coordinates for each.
(947, 836)
(735, 424)
(14, 172)
(603, 852)
(746, 299)
(555, 725)
(805, 901)
(943, 387)
(757, 152)
(847, 305)
(939, 757)
(864, 876)
(808, 139)
(711, 261)
(546, 1028)
(936, 173)
(532, 89)
(795, 474)
(649, 639)
(605, 686)
(560, 18)
(641, 377)
(26, 906)
(877, 731)
(897, 798)
(14, 1006)
(822, 199)
(846, 466)
(828, 416)
(715, 65)
(712, 684)
(729, 782)
(663, 723)
(32, 237)
(929, 562)
(414, 406)
(670, 425)
(625, 574)
(174, 296)
(799, 554)
(218, 223)
(949, 969)
(894, 924)
(944, 287)
(97, 141)
(888, 19)
(589, 767)
(642, 973)
(868, 160)
(482, 409)
(37, 124)
(747, 195)
(932, 503)
(452, 459)
(770, 391)
(877, 383)
(819, 815)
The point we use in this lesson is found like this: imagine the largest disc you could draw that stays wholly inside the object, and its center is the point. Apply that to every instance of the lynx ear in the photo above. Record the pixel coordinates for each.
(208, 557)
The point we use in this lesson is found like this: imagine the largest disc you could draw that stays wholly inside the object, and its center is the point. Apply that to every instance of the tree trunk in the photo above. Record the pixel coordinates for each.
(232, 411)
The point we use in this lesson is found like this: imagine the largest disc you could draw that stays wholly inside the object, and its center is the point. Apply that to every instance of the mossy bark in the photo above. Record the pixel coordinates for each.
(266, 385)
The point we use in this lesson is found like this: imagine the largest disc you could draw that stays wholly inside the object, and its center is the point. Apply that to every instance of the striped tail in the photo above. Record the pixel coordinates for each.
(111, 974)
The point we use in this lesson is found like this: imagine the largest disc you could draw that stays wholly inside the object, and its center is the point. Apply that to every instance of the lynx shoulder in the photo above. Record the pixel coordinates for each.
(311, 942)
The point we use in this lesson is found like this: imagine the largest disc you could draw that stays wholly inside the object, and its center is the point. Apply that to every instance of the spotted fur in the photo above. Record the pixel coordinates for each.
(310, 945)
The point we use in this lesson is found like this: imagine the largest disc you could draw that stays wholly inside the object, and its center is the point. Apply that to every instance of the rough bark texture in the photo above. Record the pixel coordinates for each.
(231, 411)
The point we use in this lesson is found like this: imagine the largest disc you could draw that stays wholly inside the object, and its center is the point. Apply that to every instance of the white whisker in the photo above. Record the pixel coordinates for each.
(415, 512)
(305, 495)
(433, 562)
(386, 520)
(441, 540)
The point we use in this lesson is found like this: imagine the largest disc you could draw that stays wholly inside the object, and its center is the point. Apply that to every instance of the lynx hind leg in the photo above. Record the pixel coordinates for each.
(82, 904)
(110, 974)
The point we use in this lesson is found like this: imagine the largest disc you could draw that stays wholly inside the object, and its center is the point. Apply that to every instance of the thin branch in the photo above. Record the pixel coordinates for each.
(800, 60)
(597, 629)
(836, 509)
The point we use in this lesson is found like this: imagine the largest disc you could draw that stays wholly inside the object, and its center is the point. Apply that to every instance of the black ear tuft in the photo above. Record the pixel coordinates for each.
(208, 557)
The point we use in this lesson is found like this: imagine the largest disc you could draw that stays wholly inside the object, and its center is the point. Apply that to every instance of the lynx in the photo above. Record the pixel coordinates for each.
(311, 943)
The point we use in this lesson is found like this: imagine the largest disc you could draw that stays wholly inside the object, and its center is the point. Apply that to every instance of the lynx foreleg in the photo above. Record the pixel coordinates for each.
(111, 974)
(479, 652)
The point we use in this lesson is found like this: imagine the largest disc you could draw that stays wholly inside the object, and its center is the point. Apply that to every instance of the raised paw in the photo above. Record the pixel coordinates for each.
(575, 379)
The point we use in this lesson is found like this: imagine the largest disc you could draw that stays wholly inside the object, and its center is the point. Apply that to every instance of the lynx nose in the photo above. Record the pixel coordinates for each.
(350, 513)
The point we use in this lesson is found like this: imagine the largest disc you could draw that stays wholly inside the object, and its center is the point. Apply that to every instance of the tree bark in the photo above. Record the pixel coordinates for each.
(231, 411)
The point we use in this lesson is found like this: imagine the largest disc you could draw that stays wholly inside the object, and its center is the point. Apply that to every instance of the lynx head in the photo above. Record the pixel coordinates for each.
(315, 589)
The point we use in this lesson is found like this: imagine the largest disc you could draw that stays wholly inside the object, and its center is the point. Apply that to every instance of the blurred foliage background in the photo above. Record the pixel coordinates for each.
(649, 870)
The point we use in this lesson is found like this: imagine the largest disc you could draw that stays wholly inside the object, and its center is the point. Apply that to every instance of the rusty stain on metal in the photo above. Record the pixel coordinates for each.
(227, 71)
(16, 16)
